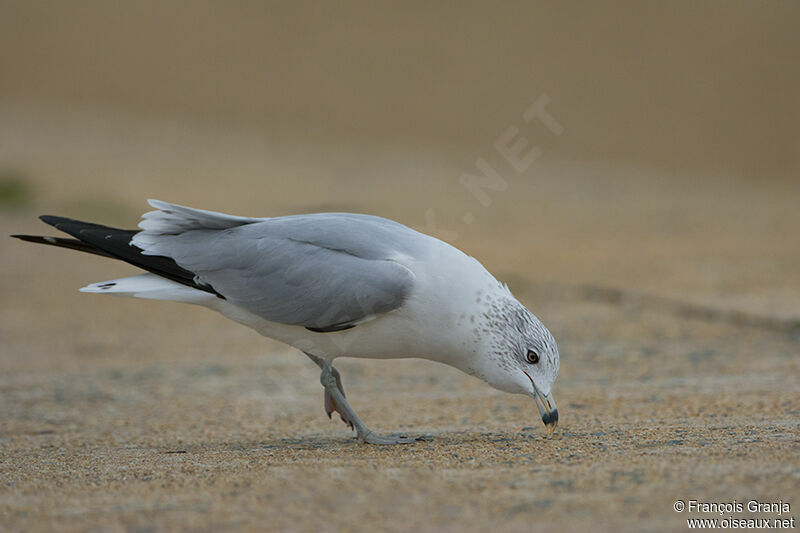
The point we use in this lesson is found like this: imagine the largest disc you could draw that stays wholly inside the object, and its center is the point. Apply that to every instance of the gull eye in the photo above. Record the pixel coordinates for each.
(532, 357)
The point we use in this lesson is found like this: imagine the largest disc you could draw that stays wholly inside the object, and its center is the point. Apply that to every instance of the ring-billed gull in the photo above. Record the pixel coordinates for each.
(333, 285)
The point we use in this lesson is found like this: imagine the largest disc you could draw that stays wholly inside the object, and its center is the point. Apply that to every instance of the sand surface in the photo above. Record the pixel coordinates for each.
(135, 415)
(656, 237)
(202, 426)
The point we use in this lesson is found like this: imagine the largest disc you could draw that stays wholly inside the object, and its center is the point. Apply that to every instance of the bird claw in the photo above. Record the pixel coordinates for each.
(348, 416)
(373, 438)
(367, 436)
(331, 407)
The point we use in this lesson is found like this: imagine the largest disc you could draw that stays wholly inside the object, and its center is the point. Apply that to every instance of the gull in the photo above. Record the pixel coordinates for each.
(333, 285)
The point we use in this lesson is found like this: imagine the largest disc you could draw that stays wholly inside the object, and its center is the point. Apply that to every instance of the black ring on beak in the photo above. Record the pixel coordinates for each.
(551, 417)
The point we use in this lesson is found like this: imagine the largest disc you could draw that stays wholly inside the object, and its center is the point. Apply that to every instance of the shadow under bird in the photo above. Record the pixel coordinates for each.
(333, 285)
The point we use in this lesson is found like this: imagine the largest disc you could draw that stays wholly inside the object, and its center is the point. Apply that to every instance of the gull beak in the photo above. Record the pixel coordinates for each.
(547, 407)
(548, 410)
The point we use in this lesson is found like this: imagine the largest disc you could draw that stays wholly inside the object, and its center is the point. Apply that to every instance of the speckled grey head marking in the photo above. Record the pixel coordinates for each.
(508, 331)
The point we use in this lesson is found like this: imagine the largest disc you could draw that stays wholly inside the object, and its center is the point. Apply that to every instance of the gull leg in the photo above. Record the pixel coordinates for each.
(330, 405)
(335, 401)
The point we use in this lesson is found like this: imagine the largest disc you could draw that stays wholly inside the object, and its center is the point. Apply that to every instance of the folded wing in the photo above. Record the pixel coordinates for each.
(325, 272)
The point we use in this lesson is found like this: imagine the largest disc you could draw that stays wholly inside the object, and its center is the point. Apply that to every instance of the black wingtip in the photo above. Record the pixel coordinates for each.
(62, 242)
(29, 238)
(52, 219)
(115, 243)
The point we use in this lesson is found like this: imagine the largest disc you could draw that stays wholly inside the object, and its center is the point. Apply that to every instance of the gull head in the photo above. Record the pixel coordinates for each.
(518, 354)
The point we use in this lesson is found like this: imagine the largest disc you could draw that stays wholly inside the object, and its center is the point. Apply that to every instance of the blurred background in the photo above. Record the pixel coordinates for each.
(675, 172)
(654, 179)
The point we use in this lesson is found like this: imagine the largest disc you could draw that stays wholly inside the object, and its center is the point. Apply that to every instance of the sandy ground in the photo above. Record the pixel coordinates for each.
(137, 416)
(204, 427)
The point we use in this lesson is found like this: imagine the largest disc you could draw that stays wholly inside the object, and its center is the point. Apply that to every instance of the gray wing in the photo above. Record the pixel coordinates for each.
(325, 272)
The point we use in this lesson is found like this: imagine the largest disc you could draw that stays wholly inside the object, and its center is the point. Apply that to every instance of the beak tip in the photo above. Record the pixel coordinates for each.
(547, 408)
(550, 418)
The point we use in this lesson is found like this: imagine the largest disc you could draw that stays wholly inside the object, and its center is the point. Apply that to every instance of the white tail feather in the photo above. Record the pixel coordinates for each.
(171, 219)
(153, 287)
